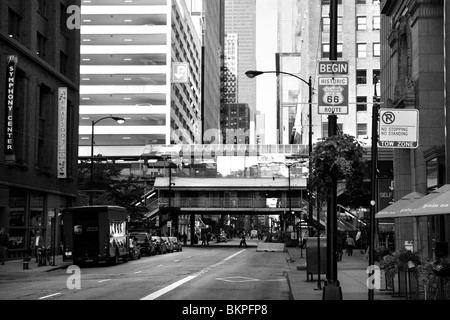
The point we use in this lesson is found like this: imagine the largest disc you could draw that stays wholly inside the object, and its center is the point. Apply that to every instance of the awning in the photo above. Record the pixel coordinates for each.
(393, 210)
(436, 203)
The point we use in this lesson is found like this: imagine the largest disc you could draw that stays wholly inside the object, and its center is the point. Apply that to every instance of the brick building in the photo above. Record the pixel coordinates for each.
(39, 67)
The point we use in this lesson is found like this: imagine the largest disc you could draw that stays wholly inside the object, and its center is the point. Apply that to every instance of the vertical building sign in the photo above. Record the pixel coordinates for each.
(9, 134)
(62, 133)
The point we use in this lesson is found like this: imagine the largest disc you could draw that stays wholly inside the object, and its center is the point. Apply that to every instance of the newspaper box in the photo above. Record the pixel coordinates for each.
(312, 257)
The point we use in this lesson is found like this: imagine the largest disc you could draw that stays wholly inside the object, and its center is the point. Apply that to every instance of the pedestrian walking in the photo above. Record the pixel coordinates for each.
(4, 241)
(340, 247)
(185, 238)
(36, 243)
(243, 242)
(350, 245)
(203, 239)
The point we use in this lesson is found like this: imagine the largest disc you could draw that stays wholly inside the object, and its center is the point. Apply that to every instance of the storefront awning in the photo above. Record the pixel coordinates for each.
(436, 203)
(393, 210)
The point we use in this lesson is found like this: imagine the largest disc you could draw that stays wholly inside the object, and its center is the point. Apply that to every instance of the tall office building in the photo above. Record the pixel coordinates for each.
(211, 21)
(240, 20)
(39, 62)
(235, 123)
(128, 56)
(359, 44)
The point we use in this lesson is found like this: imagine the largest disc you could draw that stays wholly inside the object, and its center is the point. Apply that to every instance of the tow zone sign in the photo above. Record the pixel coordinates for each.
(333, 95)
(399, 129)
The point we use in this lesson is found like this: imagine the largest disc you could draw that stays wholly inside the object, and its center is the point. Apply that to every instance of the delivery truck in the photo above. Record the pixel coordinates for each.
(95, 234)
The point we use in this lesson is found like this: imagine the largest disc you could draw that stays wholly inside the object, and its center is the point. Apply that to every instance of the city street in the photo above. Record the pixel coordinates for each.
(196, 273)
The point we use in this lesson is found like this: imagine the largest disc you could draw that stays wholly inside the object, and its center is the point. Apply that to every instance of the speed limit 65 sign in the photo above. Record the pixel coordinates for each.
(333, 95)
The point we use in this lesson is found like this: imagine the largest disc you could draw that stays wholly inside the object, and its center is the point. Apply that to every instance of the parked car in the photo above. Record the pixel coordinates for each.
(176, 243)
(135, 250)
(160, 245)
(222, 238)
(143, 240)
(168, 244)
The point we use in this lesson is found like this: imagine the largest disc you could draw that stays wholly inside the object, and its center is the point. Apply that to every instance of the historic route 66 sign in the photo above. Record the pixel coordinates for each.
(333, 95)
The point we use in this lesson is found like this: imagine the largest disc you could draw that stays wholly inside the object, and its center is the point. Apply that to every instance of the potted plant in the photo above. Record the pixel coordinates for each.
(426, 275)
(380, 252)
(389, 264)
(441, 267)
(407, 259)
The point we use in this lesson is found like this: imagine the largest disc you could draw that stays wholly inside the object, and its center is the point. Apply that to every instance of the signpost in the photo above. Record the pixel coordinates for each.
(333, 90)
(399, 128)
(333, 95)
(333, 67)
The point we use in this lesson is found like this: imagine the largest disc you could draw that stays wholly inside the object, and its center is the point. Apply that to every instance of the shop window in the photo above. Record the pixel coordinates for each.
(36, 210)
(17, 208)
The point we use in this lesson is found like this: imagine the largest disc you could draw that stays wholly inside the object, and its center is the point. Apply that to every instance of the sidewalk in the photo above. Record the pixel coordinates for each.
(351, 276)
(17, 266)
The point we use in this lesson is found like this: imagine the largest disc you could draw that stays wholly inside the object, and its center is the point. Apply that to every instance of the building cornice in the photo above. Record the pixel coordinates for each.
(38, 61)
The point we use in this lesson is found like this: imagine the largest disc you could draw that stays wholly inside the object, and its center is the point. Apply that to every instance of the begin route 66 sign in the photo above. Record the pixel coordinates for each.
(333, 95)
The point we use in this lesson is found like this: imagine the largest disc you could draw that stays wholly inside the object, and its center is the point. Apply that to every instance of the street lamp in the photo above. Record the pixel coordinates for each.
(254, 73)
(118, 120)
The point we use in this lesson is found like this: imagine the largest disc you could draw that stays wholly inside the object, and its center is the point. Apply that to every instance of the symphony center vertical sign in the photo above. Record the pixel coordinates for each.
(62, 133)
(9, 134)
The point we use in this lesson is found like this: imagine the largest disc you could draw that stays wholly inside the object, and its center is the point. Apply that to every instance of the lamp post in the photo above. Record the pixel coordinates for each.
(254, 73)
(170, 197)
(118, 120)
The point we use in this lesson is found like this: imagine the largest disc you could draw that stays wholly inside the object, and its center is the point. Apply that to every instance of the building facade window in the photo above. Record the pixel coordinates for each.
(14, 21)
(361, 76)
(41, 45)
(361, 104)
(340, 127)
(376, 49)
(42, 7)
(362, 130)
(376, 23)
(361, 23)
(362, 50)
(376, 73)
(63, 58)
(326, 50)
(63, 19)
(43, 154)
(326, 24)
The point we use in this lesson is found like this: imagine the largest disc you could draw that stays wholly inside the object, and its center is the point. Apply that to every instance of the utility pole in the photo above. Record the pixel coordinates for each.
(332, 290)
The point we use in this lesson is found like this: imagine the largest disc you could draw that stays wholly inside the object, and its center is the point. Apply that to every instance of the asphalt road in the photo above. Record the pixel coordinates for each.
(196, 273)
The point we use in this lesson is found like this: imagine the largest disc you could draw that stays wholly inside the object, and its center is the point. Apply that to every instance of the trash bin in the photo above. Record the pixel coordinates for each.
(312, 257)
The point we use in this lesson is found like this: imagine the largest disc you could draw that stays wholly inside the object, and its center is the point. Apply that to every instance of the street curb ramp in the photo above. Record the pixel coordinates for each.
(271, 247)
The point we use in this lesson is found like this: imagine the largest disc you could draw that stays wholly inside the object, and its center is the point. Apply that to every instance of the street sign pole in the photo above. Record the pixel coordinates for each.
(332, 290)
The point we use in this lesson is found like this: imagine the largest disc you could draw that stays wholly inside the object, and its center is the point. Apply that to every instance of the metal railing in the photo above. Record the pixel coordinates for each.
(245, 203)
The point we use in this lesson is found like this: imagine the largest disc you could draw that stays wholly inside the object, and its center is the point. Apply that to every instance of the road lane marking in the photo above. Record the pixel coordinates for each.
(51, 295)
(104, 280)
(174, 285)
(137, 272)
(176, 260)
(246, 279)
(159, 265)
